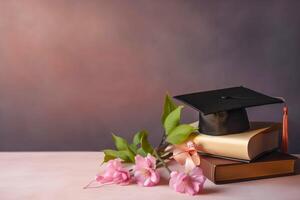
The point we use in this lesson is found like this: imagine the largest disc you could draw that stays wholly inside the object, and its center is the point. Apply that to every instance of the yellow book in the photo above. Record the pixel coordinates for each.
(260, 138)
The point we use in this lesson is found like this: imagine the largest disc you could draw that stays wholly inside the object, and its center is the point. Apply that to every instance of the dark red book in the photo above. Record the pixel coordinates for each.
(222, 171)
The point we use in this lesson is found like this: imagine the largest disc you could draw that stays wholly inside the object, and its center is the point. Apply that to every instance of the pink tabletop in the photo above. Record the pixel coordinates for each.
(62, 175)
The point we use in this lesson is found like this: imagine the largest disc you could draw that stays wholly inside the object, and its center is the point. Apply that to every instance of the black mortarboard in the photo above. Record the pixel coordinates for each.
(224, 111)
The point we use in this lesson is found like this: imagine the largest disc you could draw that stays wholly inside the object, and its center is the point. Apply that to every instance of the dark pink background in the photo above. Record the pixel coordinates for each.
(72, 72)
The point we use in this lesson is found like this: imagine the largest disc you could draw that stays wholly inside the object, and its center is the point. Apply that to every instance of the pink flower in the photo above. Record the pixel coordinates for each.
(191, 183)
(186, 154)
(114, 173)
(145, 171)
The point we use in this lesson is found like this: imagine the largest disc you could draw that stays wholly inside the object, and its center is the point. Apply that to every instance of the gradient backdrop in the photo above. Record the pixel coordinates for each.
(73, 71)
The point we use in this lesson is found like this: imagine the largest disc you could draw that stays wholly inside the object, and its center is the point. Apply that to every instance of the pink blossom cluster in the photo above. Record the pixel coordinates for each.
(145, 174)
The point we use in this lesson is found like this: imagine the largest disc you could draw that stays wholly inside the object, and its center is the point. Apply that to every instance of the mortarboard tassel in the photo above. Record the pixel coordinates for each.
(284, 143)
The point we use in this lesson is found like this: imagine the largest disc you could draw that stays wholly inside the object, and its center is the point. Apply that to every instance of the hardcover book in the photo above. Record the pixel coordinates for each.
(222, 171)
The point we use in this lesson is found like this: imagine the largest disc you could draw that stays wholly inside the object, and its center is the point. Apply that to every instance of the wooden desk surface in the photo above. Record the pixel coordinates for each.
(62, 175)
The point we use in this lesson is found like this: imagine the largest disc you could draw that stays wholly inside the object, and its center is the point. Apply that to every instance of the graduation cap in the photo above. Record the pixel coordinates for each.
(223, 111)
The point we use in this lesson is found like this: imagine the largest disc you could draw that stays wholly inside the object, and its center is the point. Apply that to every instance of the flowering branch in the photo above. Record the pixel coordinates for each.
(162, 161)
(147, 159)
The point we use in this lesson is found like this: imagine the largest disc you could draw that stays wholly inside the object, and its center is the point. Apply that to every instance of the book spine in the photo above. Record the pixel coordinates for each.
(208, 170)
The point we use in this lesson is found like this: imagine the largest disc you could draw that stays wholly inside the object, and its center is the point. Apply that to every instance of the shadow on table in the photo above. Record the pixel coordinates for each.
(211, 190)
(163, 181)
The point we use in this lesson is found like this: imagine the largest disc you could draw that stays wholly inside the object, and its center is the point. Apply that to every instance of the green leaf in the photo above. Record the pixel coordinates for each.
(142, 139)
(125, 155)
(172, 120)
(133, 148)
(145, 145)
(125, 152)
(180, 133)
(141, 152)
(169, 106)
(130, 155)
(109, 155)
(120, 143)
(138, 136)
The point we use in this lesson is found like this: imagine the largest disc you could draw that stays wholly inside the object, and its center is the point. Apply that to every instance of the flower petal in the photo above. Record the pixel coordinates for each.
(196, 158)
(140, 162)
(114, 173)
(155, 177)
(151, 161)
(180, 156)
(147, 182)
(191, 183)
(144, 171)
(139, 177)
(189, 164)
(190, 190)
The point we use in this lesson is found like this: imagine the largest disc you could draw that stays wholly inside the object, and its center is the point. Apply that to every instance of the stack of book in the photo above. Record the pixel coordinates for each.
(236, 149)
(252, 154)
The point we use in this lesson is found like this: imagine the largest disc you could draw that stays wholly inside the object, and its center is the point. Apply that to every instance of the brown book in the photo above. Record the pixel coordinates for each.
(222, 171)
